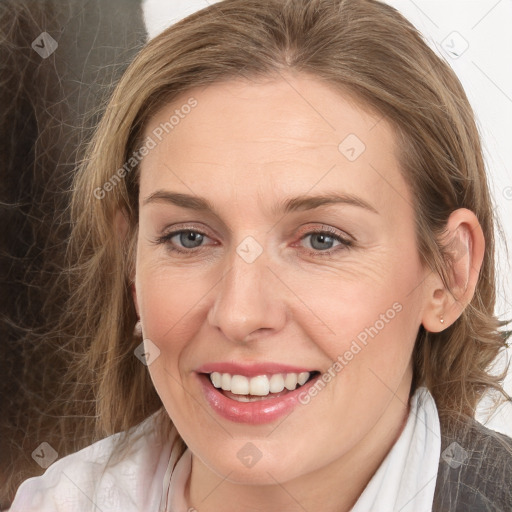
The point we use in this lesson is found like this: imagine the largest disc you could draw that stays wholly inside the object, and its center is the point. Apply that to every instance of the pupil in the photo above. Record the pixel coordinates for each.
(325, 239)
(189, 238)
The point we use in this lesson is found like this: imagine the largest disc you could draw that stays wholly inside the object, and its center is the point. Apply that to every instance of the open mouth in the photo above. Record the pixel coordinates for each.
(254, 394)
(261, 387)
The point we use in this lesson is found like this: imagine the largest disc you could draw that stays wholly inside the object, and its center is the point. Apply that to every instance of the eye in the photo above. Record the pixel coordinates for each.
(325, 241)
(183, 240)
(322, 242)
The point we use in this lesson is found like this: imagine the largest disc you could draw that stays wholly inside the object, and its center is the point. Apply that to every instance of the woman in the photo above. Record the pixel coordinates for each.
(286, 204)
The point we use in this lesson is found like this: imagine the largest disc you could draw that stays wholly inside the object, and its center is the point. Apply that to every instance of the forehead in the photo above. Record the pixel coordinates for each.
(270, 137)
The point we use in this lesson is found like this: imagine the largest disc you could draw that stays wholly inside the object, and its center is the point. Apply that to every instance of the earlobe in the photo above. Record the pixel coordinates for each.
(435, 318)
(463, 247)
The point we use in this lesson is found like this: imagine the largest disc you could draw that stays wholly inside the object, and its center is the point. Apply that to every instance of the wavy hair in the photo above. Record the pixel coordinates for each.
(364, 48)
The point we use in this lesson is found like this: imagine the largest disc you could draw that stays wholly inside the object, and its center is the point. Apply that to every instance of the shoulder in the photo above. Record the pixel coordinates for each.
(96, 476)
(475, 469)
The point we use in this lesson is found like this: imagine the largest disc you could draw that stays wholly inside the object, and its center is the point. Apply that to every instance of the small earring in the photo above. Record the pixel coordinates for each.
(137, 330)
(441, 319)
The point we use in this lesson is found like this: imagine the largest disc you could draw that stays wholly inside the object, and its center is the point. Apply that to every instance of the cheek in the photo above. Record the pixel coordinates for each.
(170, 306)
(169, 299)
(369, 318)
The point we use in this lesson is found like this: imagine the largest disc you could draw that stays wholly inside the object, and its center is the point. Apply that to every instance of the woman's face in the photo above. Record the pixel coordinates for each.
(277, 242)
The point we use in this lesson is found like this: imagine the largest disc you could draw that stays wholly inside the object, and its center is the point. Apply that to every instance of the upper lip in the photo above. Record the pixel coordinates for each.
(252, 369)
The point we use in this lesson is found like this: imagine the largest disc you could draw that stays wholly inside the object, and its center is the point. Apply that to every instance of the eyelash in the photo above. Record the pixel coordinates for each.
(345, 243)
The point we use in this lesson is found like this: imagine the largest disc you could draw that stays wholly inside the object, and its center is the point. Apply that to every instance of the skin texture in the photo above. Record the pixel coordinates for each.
(246, 147)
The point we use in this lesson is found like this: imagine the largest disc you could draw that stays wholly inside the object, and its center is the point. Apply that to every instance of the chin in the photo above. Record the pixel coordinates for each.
(248, 462)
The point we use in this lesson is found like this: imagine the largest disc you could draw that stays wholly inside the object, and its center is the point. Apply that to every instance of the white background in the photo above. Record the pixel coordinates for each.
(474, 36)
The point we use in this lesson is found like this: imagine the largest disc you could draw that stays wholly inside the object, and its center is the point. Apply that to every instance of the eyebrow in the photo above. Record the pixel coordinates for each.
(299, 203)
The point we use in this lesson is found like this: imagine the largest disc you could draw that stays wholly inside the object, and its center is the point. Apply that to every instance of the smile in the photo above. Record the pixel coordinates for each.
(245, 389)
(254, 394)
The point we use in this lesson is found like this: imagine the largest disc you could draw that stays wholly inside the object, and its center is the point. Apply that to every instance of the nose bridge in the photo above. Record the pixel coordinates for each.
(246, 298)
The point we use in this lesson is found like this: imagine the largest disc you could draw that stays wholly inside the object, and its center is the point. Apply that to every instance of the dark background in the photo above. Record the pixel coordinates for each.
(48, 109)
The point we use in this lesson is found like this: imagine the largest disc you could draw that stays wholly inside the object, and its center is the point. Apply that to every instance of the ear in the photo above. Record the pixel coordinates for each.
(122, 227)
(464, 244)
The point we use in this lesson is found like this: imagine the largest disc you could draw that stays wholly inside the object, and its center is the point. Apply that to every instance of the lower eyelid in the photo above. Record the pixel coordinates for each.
(327, 252)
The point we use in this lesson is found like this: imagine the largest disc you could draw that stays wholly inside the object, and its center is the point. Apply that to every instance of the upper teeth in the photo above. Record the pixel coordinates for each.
(260, 385)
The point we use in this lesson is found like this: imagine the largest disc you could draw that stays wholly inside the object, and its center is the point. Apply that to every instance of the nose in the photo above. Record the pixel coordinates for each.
(249, 301)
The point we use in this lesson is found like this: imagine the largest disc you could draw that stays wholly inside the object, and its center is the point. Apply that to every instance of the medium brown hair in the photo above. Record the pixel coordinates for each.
(364, 48)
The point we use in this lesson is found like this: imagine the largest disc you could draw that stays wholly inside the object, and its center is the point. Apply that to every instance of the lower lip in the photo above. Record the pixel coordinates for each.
(255, 413)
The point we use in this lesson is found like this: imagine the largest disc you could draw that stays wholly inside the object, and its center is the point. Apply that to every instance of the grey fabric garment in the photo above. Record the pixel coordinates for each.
(475, 470)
